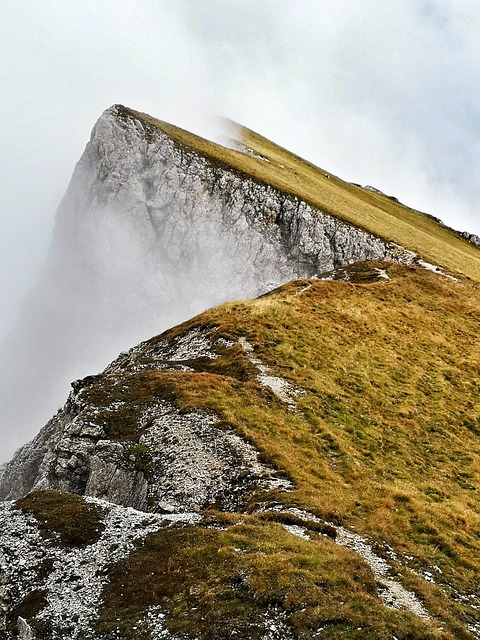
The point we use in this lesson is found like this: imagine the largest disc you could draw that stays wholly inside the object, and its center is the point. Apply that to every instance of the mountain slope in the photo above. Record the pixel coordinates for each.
(298, 465)
(151, 231)
(360, 518)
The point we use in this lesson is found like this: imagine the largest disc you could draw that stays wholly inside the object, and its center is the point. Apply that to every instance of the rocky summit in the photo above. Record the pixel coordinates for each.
(150, 232)
(302, 463)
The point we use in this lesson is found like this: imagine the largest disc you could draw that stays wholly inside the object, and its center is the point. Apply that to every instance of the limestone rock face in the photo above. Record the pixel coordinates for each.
(471, 237)
(148, 234)
(181, 232)
(114, 441)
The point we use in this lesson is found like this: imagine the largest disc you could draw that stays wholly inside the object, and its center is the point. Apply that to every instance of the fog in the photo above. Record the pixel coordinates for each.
(378, 93)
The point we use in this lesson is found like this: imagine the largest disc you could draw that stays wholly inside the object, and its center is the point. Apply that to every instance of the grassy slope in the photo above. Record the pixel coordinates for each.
(385, 440)
(371, 211)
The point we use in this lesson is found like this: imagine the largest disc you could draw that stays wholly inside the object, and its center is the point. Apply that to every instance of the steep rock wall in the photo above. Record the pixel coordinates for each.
(149, 233)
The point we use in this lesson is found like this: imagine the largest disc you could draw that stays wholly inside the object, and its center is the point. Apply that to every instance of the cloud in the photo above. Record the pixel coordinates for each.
(383, 96)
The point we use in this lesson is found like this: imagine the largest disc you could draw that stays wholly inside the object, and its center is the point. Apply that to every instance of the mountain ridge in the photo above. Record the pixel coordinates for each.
(324, 440)
(148, 234)
(315, 193)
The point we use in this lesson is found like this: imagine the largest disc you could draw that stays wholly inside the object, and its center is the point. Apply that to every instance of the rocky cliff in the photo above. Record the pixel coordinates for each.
(120, 438)
(150, 232)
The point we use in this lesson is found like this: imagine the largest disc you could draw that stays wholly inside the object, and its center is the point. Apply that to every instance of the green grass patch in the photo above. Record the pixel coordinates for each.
(221, 583)
(76, 522)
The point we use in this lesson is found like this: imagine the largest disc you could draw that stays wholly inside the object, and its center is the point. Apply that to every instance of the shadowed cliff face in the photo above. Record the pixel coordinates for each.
(148, 234)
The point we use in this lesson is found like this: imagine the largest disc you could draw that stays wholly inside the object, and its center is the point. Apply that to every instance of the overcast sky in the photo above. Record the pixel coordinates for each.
(380, 93)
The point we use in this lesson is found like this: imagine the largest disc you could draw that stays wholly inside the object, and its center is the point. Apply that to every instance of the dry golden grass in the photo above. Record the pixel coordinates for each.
(385, 437)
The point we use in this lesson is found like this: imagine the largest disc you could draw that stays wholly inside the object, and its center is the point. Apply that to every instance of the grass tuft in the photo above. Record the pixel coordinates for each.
(76, 522)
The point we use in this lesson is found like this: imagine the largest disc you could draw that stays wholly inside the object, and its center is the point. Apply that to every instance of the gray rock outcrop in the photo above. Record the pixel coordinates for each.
(471, 237)
(114, 442)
